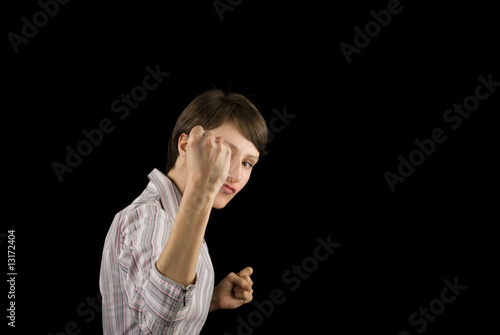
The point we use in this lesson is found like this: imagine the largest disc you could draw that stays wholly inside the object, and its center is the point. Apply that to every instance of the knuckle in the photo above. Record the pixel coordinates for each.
(197, 129)
(248, 279)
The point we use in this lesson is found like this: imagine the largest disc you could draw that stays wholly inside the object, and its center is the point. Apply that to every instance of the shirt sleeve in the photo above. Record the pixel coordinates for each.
(156, 302)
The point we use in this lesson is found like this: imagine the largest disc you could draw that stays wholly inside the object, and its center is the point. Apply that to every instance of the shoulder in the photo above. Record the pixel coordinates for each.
(145, 205)
(144, 213)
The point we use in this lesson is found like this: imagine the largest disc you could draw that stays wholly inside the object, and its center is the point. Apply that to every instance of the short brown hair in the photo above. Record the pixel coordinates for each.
(214, 108)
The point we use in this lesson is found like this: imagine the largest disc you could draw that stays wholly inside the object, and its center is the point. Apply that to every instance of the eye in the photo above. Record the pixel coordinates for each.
(247, 164)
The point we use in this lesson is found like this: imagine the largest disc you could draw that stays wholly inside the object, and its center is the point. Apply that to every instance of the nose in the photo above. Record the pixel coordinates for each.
(234, 175)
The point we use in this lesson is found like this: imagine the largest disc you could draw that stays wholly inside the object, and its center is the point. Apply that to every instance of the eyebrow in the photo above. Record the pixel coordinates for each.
(255, 158)
(248, 156)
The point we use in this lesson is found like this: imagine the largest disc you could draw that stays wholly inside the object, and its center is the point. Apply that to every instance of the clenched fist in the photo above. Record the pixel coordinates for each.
(207, 161)
(233, 291)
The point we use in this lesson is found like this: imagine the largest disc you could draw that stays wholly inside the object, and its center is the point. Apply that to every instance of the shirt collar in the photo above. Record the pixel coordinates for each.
(170, 196)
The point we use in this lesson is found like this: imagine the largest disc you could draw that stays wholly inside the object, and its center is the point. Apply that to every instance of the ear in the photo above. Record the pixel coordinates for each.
(182, 143)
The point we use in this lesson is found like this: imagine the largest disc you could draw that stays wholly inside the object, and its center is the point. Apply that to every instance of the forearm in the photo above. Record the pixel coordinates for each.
(179, 258)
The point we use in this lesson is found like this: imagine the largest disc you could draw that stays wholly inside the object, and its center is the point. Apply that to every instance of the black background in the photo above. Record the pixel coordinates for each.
(323, 176)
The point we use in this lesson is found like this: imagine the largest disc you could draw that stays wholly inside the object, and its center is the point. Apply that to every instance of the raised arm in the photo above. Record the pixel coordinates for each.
(207, 167)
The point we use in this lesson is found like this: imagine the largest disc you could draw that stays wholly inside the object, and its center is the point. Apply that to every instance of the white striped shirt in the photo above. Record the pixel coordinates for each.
(136, 297)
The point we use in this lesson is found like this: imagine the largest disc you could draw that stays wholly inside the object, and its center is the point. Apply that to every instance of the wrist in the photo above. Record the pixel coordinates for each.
(205, 189)
(214, 304)
(198, 198)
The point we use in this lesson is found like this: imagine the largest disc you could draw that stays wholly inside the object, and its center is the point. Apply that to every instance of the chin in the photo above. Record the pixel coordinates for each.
(221, 200)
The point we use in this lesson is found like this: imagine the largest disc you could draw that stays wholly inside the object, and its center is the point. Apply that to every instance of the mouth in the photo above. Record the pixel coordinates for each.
(226, 188)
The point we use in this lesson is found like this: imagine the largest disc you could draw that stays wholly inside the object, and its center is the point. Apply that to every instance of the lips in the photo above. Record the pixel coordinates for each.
(228, 188)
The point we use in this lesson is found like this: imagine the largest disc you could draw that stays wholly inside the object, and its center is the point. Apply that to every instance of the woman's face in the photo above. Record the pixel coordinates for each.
(244, 155)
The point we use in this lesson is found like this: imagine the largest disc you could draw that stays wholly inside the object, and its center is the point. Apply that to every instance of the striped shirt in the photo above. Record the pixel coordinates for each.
(136, 297)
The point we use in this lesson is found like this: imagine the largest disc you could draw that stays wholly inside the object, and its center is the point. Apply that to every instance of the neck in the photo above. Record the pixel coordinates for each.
(178, 177)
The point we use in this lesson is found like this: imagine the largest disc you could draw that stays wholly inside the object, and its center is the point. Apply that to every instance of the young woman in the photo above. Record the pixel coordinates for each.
(156, 273)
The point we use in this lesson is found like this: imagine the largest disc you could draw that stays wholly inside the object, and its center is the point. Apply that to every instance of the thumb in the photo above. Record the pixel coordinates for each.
(245, 272)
